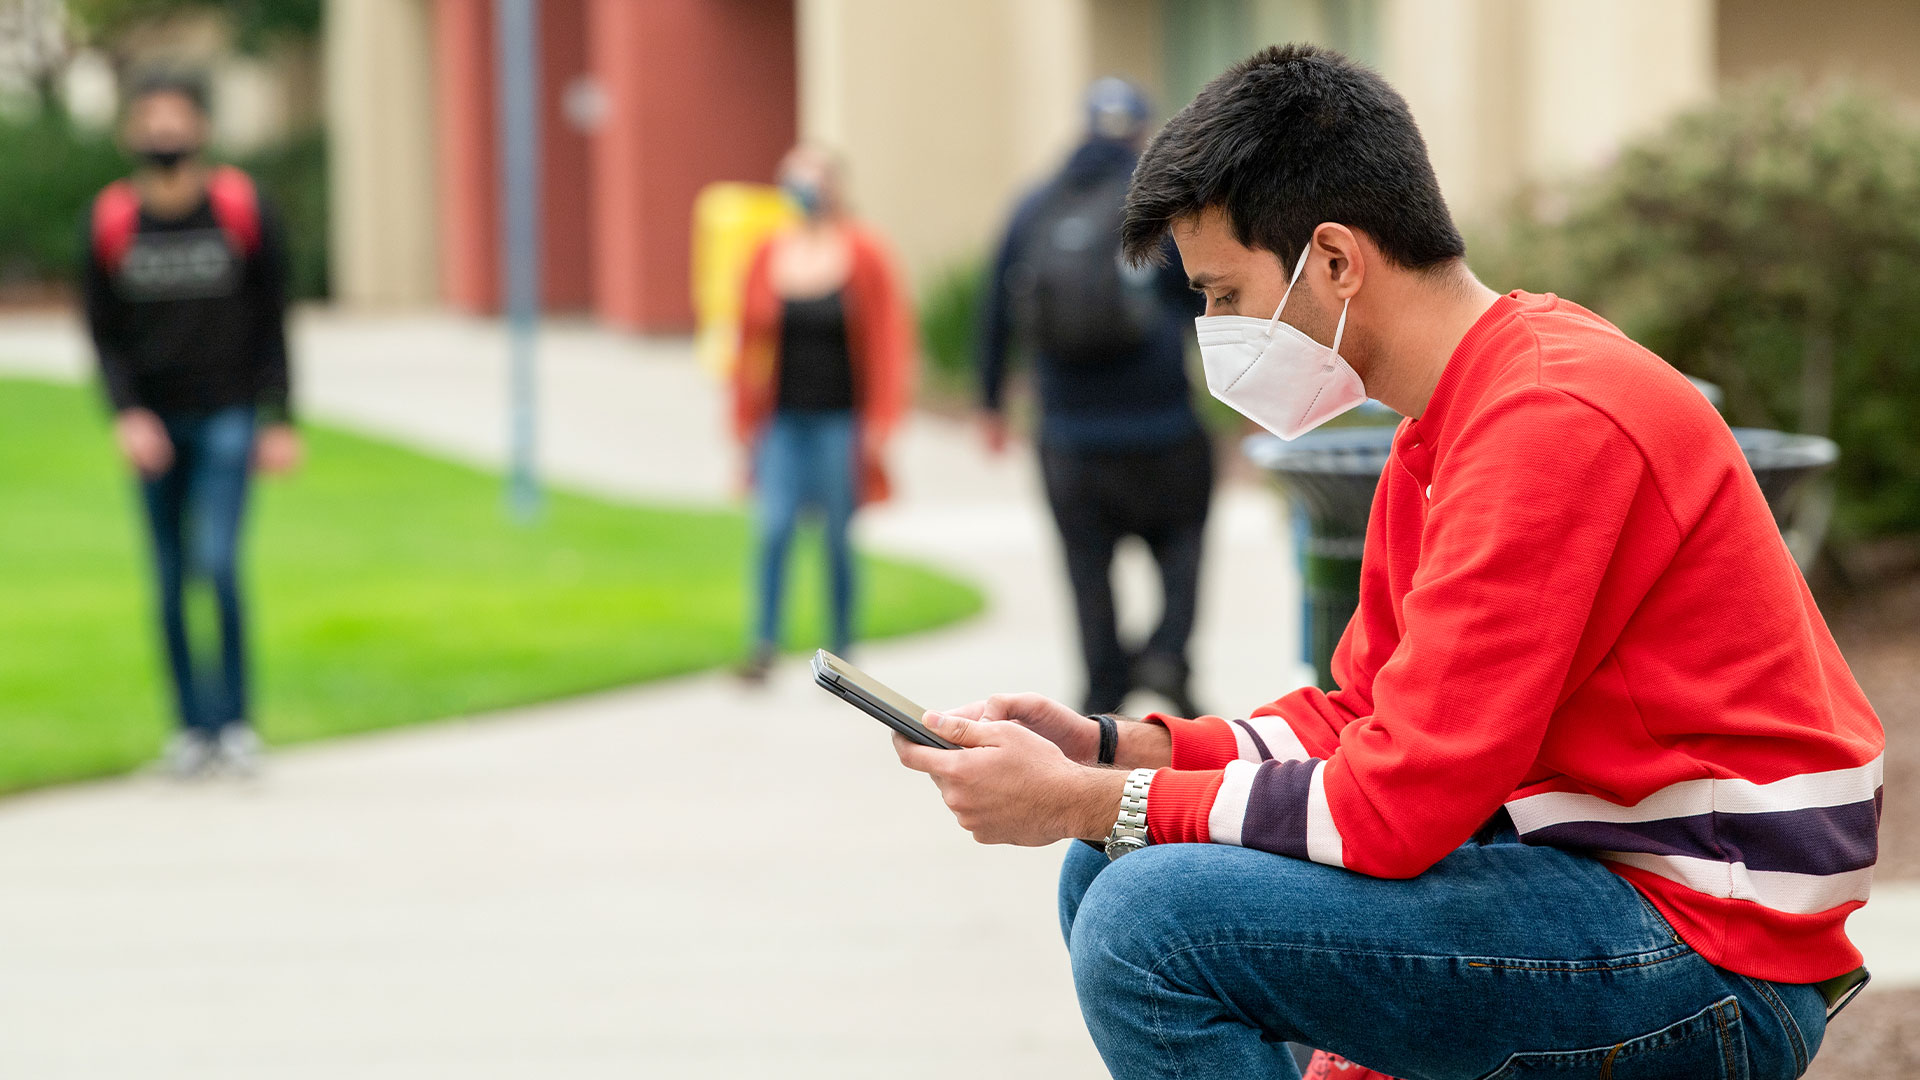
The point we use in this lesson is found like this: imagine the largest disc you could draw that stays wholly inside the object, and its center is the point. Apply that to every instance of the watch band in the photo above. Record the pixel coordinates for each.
(1130, 827)
(1109, 737)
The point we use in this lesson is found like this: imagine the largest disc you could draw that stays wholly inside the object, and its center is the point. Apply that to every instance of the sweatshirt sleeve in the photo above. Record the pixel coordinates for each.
(105, 313)
(753, 353)
(996, 310)
(267, 301)
(893, 339)
(1210, 742)
(1522, 525)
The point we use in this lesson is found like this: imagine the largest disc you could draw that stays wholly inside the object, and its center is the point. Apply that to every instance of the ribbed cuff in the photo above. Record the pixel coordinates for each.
(1204, 742)
(1178, 804)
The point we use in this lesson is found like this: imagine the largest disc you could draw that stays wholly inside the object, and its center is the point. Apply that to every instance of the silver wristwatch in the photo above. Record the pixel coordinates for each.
(1130, 828)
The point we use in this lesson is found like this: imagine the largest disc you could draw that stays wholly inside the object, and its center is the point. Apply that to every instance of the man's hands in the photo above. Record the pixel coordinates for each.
(277, 449)
(1077, 736)
(143, 440)
(1142, 746)
(1008, 785)
(1024, 773)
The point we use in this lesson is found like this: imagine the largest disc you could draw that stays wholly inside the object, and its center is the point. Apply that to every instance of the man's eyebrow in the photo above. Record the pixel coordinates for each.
(1200, 282)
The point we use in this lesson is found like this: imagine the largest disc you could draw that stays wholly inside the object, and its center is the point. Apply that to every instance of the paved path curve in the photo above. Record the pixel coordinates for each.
(681, 880)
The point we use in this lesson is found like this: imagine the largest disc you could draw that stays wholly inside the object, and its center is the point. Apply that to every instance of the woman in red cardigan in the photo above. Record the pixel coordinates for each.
(825, 371)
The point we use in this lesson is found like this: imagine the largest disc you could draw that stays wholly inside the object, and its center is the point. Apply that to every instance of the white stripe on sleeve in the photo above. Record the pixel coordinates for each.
(1323, 838)
(1243, 743)
(1230, 805)
(1281, 742)
(1725, 795)
(1798, 894)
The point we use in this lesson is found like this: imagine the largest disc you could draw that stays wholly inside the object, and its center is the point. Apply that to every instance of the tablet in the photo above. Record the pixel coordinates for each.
(872, 697)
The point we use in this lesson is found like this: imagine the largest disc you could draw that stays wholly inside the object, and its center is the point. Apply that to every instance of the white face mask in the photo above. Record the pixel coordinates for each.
(1273, 373)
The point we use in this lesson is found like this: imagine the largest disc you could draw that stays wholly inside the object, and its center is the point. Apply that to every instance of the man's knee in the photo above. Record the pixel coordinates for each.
(1164, 898)
(1129, 914)
(1083, 863)
(779, 517)
(212, 559)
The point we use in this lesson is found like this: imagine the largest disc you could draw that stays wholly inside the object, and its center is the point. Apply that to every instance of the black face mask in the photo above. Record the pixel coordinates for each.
(166, 158)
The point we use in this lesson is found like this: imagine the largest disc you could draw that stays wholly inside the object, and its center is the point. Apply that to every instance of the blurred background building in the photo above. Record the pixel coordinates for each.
(945, 110)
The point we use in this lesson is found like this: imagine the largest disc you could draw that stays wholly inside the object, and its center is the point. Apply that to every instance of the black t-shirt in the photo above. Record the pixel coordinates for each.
(816, 369)
(187, 323)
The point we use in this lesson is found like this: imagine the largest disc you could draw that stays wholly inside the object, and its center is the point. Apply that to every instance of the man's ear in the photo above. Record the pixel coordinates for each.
(1346, 256)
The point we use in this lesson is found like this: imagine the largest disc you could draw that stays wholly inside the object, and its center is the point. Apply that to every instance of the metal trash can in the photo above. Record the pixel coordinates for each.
(1787, 466)
(1331, 474)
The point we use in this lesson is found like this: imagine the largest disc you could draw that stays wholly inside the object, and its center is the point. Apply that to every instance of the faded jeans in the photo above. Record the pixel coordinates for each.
(1504, 960)
(194, 512)
(805, 459)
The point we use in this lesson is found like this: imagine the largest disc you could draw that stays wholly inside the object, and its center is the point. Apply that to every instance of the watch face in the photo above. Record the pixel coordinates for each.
(1117, 848)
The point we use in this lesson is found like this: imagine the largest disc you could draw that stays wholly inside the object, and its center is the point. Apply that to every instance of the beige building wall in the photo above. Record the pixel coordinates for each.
(1510, 91)
(1606, 73)
(945, 112)
(1453, 61)
(1127, 37)
(380, 115)
(1871, 43)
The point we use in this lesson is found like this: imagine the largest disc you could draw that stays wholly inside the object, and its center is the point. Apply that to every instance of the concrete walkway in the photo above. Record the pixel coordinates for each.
(684, 880)
(687, 879)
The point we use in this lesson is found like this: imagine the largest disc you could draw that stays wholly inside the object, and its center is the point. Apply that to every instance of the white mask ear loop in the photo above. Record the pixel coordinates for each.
(1297, 267)
(1339, 329)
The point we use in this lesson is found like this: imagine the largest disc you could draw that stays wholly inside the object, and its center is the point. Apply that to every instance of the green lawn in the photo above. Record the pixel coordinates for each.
(386, 588)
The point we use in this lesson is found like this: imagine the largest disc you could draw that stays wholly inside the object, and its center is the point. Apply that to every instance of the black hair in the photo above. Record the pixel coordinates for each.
(1286, 139)
(187, 84)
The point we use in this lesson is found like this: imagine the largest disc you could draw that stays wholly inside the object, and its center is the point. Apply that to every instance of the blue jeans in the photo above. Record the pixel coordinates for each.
(805, 459)
(1504, 960)
(194, 511)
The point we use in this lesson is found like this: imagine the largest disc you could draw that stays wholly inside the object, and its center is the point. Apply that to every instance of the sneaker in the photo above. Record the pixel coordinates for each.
(189, 755)
(753, 671)
(239, 750)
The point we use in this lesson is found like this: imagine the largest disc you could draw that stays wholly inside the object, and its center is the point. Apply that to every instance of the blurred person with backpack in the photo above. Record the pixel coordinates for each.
(824, 374)
(1121, 449)
(185, 295)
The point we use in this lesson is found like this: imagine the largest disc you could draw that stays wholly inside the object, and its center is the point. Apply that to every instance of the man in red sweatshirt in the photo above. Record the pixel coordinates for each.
(1597, 791)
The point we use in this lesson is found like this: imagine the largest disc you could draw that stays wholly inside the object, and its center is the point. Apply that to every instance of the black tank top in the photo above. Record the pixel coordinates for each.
(816, 370)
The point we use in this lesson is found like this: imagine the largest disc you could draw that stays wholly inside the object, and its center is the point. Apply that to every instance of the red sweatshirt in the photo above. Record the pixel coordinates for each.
(1574, 603)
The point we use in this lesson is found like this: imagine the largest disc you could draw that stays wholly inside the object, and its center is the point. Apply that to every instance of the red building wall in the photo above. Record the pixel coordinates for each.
(466, 151)
(698, 90)
(566, 187)
(694, 91)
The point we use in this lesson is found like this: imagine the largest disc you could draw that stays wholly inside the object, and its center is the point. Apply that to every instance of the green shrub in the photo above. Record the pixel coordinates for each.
(1770, 243)
(50, 170)
(950, 325)
(293, 175)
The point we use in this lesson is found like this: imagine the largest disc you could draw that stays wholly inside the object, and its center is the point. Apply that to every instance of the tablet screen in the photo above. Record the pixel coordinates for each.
(852, 676)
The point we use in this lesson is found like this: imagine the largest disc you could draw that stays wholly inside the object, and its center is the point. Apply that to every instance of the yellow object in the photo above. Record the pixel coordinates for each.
(730, 220)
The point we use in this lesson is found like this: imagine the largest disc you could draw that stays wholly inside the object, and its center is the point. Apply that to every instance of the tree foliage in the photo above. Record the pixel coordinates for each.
(256, 23)
(1769, 243)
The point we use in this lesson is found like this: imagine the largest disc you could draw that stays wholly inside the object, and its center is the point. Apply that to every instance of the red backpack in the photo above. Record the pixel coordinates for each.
(236, 206)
